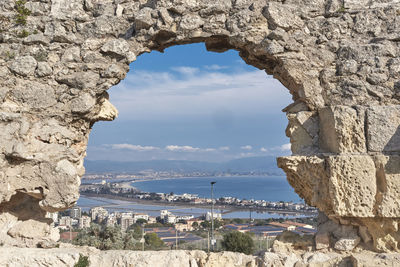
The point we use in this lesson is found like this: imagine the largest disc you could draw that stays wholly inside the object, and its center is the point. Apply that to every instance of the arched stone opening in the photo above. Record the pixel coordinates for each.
(337, 58)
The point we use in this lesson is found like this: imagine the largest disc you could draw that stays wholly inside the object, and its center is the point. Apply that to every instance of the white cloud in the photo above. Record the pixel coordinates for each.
(134, 147)
(248, 147)
(246, 155)
(185, 70)
(224, 148)
(215, 67)
(286, 147)
(175, 148)
(149, 94)
(263, 149)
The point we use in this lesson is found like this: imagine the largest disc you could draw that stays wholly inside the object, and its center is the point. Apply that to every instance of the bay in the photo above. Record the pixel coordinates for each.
(269, 188)
(113, 205)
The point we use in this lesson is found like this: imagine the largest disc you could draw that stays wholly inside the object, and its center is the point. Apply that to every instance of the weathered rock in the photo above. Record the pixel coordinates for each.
(37, 39)
(352, 185)
(339, 60)
(383, 129)
(388, 182)
(322, 241)
(43, 69)
(341, 130)
(345, 244)
(116, 47)
(24, 65)
(83, 103)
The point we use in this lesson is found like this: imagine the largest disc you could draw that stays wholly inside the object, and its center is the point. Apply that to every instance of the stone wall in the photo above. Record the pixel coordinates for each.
(338, 58)
(67, 257)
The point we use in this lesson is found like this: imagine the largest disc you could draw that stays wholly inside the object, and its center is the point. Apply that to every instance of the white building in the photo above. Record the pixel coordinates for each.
(164, 213)
(84, 222)
(111, 220)
(184, 218)
(171, 218)
(126, 221)
(152, 219)
(98, 213)
(217, 216)
(65, 221)
(75, 212)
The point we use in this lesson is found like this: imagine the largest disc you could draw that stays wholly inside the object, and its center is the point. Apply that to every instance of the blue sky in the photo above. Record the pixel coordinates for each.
(191, 104)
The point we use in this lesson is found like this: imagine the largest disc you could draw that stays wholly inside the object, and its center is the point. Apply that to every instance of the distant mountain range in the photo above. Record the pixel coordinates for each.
(265, 165)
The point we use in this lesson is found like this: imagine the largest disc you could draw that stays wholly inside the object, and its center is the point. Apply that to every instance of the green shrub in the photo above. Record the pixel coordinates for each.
(22, 12)
(342, 9)
(24, 33)
(83, 261)
(238, 242)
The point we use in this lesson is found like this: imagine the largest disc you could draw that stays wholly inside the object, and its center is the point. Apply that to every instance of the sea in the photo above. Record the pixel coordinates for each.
(269, 188)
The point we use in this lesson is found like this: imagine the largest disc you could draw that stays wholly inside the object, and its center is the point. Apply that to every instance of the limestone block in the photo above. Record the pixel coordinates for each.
(346, 244)
(32, 229)
(117, 47)
(165, 16)
(383, 128)
(72, 54)
(24, 65)
(368, 258)
(34, 94)
(388, 183)
(308, 177)
(303, 131)
(352, 185)
(83, 103)
(43, 69)
(68, 9)
(143, 19)
(114, 71)
(338, 185)
(280, 15)
(80, 80)
(341, 130)
(107, 111)
(37, 39)
(270, 259)
(191, 22)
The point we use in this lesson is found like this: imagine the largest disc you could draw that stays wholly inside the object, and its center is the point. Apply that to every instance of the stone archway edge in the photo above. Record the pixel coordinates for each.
(339, 60)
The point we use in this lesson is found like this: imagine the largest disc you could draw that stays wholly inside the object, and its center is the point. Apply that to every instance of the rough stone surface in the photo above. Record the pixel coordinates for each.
(383, 129)
(34, 257)
(339, 60)
(341, 130)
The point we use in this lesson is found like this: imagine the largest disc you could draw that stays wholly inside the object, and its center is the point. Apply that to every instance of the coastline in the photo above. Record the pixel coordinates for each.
(227, 209)
(195, 177)
(143, 179)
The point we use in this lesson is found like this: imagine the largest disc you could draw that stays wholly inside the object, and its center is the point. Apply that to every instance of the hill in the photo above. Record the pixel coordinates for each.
(265, 165)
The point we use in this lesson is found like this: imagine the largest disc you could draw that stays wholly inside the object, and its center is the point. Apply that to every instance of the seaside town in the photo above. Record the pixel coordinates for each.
(125, 191)
(172, 229)
(138, 230)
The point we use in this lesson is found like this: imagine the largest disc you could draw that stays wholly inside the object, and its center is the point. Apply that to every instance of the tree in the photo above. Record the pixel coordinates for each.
(111, 238)
(141, 221)
(153, 241)
(238, 220)
(135, 231)
(104, 239)
(238, 242)
(205, 224)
